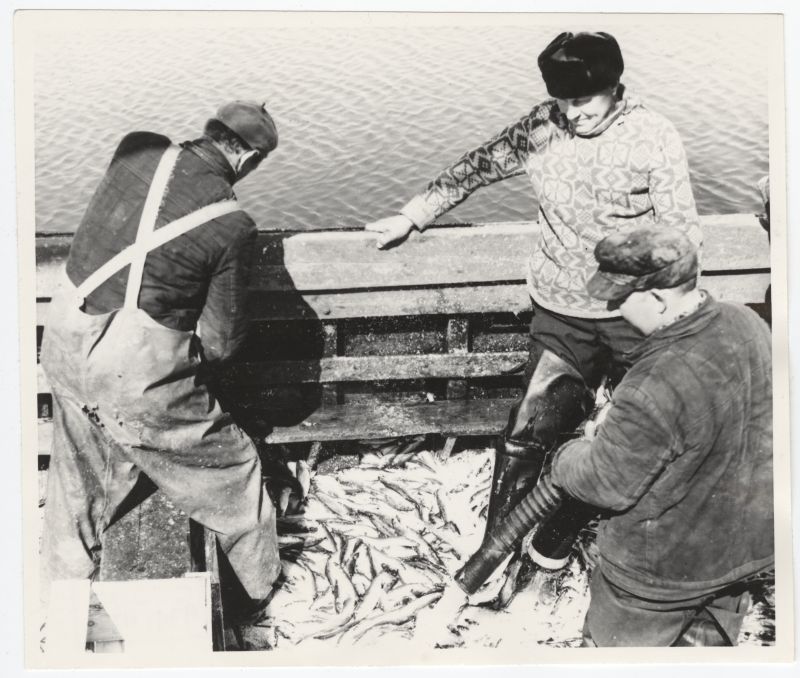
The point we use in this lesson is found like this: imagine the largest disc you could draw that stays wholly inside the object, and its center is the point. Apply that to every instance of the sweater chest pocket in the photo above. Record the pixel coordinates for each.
(623, 203)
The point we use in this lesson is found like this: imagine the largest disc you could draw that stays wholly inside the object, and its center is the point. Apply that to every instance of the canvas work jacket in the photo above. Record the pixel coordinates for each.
(199, 280)
(683, 461)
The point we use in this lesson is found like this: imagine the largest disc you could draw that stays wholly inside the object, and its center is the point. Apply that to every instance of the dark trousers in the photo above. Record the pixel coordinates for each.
(618, 618)
(594, 347)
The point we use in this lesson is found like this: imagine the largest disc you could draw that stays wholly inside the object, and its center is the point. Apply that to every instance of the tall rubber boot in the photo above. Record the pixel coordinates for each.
(555, 402)
(516, 469)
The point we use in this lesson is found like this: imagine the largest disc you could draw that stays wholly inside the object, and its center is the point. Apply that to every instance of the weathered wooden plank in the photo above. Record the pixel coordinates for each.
(341, 260)
(458, 335)
(330, 348)
(379, 368)
(492, 253)
(391, 303)
(728, 238)
(447, 450)
(744, 287)
(350, 422)
(364, 368)
(741, 287)
(457, 339)
(203, 549)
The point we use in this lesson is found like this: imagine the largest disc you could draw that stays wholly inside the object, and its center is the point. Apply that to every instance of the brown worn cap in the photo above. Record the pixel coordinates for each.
(252, 123)
(642, 259)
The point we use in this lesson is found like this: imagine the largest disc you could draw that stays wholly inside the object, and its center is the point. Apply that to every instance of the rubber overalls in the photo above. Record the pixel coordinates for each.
(127, 400)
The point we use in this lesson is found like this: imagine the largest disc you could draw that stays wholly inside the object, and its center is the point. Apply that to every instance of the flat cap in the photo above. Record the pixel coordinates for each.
(251, 122)
(642, 259)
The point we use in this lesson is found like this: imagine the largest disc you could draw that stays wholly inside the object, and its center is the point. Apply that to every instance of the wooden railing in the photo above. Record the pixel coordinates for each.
(350, 342)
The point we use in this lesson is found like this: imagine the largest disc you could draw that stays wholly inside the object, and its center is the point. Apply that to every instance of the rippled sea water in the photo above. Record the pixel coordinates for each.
(368, 115)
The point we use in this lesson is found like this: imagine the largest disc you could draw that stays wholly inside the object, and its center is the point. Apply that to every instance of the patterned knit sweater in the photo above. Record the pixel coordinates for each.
(633, 173)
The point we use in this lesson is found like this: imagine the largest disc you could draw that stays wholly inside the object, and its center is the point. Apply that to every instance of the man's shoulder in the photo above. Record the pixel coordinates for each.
(543, 120)
(645, 118)
(742, 319)
(659, 376)
(546, 111)
(136, 142)
(232, 230)
(731, 327)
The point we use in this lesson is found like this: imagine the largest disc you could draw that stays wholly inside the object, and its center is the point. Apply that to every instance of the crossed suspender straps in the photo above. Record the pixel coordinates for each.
(148, 239)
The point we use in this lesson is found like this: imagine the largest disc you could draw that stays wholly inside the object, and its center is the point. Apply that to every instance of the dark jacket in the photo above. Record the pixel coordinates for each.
(684, 458)
(200, 277)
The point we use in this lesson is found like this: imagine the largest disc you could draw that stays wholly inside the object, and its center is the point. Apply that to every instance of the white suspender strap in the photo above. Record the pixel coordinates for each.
(147, 221)
(156, 239)
(136, 253)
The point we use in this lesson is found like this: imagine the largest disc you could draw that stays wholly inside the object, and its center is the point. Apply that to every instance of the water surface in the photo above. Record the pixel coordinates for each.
(368, 115)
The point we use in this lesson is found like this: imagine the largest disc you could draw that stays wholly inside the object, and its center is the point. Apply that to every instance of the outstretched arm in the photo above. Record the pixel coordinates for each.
(501, 157)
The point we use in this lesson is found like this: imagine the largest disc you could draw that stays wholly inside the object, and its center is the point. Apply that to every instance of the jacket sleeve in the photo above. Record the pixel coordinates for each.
(501, 157)
(670, 188)
(223, 323)
(632, 447)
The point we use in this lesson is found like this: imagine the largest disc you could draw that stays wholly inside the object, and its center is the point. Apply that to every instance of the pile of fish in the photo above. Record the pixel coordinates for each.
(377, 545)
(369, 559)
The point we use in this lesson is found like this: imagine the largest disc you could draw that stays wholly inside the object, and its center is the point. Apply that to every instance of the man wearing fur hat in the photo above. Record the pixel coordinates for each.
(599, 161)
(153, 302)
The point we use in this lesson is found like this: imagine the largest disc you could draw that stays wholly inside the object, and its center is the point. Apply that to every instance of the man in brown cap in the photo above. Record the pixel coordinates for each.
(152, 304)
(681, 466)
(598, 160)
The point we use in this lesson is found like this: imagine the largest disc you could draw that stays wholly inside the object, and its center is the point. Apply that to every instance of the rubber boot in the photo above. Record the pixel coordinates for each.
(555, 402)
(516, 469)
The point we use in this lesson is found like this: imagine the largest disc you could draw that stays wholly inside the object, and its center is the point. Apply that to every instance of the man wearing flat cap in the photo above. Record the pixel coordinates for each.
(152, 304)
(681, 465)
(683, 459)
(598, 161)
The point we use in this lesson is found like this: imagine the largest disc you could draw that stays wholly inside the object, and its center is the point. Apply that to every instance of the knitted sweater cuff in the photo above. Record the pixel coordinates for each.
(419, 211)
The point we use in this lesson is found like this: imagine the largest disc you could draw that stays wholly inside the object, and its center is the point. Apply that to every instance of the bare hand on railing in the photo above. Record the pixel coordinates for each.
(393, 230)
